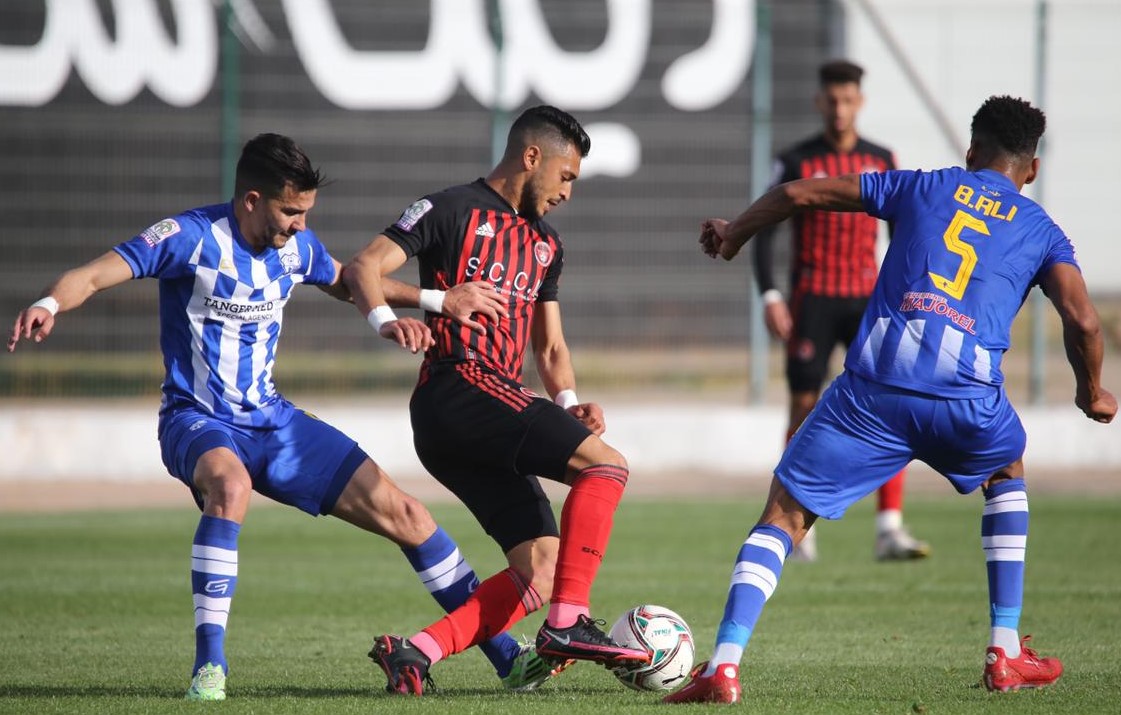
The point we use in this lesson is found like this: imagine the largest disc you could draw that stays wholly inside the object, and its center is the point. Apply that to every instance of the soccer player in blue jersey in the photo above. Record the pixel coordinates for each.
(226, 272)
(922, 380)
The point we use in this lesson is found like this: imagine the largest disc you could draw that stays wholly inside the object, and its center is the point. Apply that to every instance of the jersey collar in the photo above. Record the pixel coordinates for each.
(997, 178)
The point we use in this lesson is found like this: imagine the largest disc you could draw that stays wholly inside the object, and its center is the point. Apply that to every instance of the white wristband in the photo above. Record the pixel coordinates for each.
(432, 300)
(47, 303)
(379, 316)
(772, 296)
(566, 399)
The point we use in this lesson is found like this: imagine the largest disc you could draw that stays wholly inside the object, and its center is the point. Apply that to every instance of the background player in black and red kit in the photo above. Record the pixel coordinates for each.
(476, 427)
(833, 269)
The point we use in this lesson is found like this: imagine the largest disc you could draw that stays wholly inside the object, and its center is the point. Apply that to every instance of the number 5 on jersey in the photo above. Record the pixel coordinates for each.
(956, 286)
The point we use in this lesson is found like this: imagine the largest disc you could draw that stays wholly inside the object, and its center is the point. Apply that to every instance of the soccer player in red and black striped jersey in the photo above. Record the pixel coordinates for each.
(476, 427)
(833, 269)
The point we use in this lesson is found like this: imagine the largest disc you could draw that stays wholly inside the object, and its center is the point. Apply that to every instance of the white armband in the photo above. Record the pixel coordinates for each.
(432, 300)
(566, 399)
(47, 303)
(379, 316)
(772, 296)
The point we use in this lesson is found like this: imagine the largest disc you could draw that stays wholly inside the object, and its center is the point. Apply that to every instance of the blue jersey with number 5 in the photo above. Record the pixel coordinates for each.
(966, 249)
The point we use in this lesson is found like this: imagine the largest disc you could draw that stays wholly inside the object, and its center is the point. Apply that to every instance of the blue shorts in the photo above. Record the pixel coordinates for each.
(861, 433)
(305, 464)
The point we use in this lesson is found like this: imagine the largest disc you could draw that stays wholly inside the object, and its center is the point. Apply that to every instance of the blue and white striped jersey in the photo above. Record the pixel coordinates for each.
(966, 249)
(221, 308)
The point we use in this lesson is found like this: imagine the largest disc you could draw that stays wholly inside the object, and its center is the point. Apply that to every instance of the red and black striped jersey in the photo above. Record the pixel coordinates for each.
(469, 233)
(834, 253)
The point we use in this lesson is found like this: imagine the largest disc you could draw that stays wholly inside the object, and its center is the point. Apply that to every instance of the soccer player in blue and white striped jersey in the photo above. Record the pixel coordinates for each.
(922, 379)
(225, 273)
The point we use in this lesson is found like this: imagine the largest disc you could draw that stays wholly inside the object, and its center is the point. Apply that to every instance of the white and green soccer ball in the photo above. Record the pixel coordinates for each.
(666, 636)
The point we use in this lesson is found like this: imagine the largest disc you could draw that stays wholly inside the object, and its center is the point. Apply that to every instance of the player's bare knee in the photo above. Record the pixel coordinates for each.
(225, 495)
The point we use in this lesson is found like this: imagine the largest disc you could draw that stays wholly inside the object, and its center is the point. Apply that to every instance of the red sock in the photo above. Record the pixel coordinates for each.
(498, 603)
(891, 493)
(585, 529)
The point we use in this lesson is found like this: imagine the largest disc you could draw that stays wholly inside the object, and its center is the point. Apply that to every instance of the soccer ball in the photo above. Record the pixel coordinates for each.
(669, 641)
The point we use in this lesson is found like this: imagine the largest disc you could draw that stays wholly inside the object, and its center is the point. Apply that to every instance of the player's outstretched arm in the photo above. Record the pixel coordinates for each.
(364, 279)
(725, 239)
(1082, 337)
(70, 290)
(554, 365)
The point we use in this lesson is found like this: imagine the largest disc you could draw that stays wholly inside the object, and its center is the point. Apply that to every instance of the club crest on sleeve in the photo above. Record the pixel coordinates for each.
(543, 252)
(157, 232)
(413, 214)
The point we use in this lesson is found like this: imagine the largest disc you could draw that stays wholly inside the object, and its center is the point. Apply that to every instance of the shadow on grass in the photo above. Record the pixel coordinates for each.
(277, 691)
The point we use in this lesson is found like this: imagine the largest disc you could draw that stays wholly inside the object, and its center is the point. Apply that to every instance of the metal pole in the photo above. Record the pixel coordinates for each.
(762, 105)
(945, 126)
(230, 59)
(499, 120)
(1038, 366)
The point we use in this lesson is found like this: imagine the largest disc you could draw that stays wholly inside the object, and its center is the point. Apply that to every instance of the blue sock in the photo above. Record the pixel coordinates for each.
(754, 578)
(1004, 537)
(213, 580)
(450, 580)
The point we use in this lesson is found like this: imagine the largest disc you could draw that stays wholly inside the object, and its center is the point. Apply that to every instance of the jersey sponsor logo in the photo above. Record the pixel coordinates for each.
(498, 273)
(157, 232)
(196, 425)
(413, 214)
(934, 303)
(528, 392)
(237, 310)
(543, 252)
(486, 230)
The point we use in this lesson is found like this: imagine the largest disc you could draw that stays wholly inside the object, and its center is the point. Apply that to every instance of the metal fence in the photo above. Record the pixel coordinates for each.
(114, 115)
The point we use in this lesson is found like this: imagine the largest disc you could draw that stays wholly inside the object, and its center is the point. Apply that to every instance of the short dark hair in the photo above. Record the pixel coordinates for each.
(548, 120)
(839, 72)
(1009, 124)
(269, 162)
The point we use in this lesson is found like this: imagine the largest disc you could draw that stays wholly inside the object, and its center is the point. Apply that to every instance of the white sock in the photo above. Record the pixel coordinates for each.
(888, 520)
(725, 654)
(1006, 638)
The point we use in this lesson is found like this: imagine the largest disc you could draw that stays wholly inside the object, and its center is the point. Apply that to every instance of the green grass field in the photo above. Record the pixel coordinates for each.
(95, 614)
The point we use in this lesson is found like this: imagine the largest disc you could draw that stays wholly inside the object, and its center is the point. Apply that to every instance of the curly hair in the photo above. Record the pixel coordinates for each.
(1009, 124)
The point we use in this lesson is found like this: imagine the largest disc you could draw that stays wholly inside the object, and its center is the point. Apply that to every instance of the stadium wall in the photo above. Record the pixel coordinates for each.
(117, 442)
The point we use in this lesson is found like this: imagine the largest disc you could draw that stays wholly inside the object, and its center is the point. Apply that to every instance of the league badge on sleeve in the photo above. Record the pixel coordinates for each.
(157, 232)
(413, 214)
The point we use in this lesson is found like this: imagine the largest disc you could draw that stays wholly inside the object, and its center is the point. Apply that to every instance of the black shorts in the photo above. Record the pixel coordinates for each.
(820, 324)
(487, 439)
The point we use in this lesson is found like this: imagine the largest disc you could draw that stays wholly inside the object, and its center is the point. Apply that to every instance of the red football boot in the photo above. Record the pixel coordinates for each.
(723, 686)
(1028, 671)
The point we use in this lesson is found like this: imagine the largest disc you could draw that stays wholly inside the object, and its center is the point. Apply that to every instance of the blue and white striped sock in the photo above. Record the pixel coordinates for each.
(213, 580)
(1004, 537)
(451, 580)
(754, 578)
